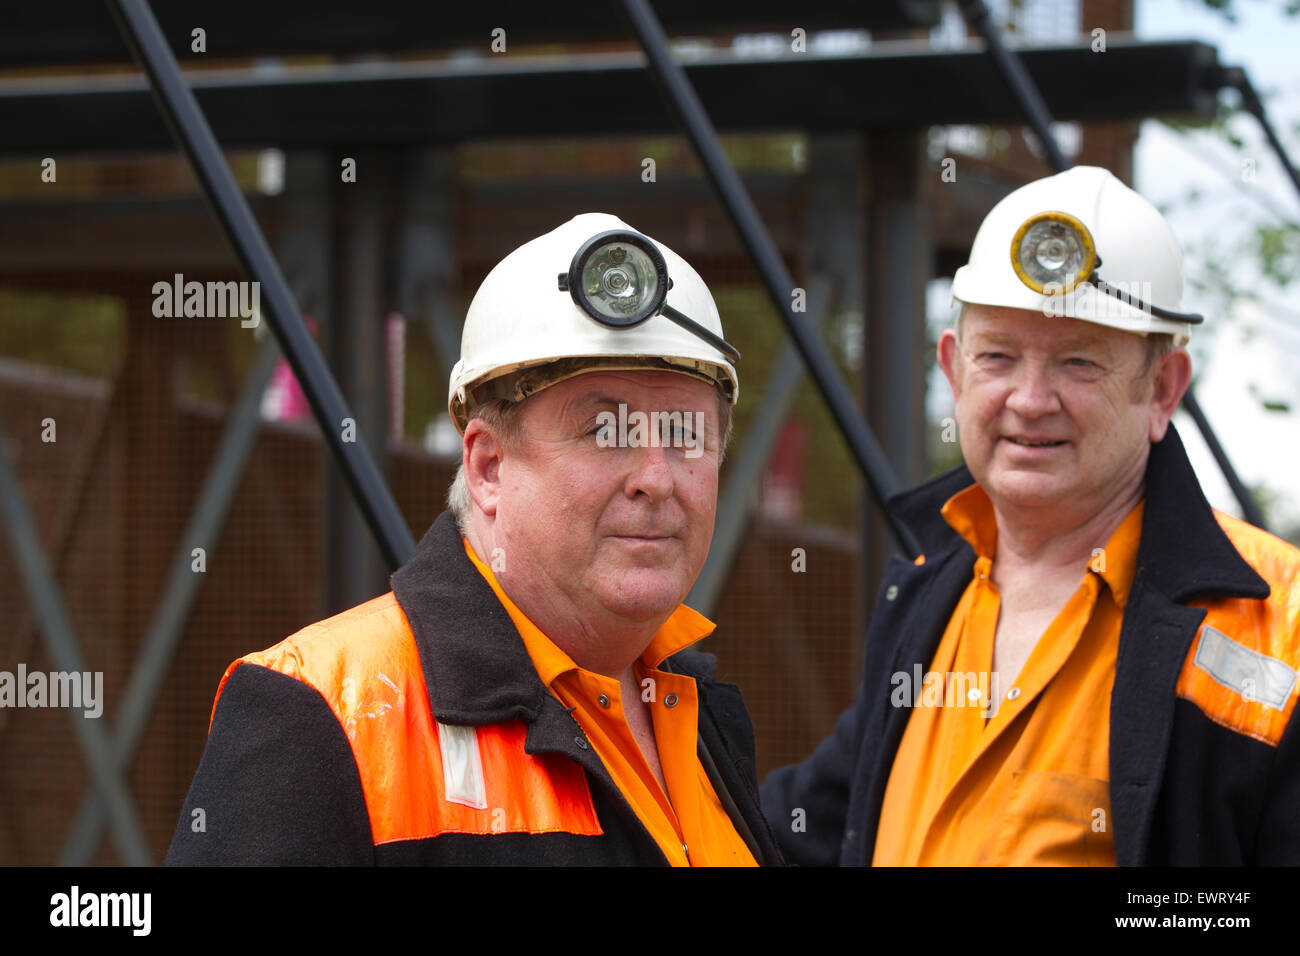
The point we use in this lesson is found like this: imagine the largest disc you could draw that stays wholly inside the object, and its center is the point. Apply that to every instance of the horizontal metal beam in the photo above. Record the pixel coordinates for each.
(519, 97)
(73, 31)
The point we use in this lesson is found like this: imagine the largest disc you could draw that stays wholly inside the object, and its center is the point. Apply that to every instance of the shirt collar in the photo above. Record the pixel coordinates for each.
(684, 627)
(1175, 512)
(970, 513)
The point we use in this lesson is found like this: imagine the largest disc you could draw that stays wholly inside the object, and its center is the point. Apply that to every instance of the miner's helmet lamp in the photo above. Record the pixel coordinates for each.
(1053, 252)
(622, 301)
(1041, 247)
(620, 279)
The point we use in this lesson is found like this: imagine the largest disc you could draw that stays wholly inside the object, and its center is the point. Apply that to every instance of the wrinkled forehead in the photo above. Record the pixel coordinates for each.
(1026, 328)
(638, 388)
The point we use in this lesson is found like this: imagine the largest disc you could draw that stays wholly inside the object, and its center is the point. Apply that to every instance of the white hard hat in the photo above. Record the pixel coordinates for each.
(1082, 221)
(522, 318)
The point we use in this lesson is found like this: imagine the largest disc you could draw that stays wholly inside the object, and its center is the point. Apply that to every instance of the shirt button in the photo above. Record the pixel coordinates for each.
(1013, 693)
(581, 742)
(891, 592)
(670, 700)
(602, 700)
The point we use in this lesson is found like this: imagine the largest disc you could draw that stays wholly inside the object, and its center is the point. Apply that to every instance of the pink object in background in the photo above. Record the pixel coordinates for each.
(395, 338)
(780, 494)
(284, 400)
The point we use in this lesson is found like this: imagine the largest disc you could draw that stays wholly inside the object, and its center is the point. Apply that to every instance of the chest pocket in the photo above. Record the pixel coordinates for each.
(1056, 819)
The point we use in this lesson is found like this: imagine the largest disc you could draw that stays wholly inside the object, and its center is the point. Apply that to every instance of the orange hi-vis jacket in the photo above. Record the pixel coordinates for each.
(1203, 748)
(414, 729)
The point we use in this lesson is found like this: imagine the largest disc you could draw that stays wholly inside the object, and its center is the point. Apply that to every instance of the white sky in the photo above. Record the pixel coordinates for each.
(1254, 351)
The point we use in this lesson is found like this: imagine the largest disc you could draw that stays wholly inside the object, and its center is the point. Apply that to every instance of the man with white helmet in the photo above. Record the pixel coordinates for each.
(1087, 666)
(524, 694)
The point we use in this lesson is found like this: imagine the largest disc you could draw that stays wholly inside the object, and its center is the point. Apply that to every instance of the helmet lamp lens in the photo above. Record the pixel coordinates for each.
(1053, 253)
(618, 278)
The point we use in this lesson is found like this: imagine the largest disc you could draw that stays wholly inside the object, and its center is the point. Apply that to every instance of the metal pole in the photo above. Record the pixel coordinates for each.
(1017, 78)
(1249, 509)
(1035, 109)
(1236, 77)
(875, 467)
(195, 138)
(743, 476)
(203, 530)
(734, 503)
(66, 655)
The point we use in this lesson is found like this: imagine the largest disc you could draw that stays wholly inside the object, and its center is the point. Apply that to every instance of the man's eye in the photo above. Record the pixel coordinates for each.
(1079, 362)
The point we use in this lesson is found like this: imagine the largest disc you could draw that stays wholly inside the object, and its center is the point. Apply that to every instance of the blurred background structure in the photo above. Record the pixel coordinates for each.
(185, 489)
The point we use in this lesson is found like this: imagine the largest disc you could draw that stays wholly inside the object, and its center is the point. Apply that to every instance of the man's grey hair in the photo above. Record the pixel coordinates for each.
(502, 419)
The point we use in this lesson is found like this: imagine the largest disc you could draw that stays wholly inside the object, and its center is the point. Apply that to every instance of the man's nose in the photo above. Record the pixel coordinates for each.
(651, 474)
(1033, 391)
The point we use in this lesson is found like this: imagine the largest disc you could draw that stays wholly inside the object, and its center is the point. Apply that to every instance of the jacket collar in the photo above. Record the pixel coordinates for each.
(1176, 514)
(475, 665)
(1185, 553)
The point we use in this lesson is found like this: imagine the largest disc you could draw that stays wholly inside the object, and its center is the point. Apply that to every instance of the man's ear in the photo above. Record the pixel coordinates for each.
(481, 459)
(1173, 375)
(948, 358)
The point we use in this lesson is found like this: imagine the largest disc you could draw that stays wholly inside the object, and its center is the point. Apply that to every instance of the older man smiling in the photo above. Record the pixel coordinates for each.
(524, 695)
(1141, 650)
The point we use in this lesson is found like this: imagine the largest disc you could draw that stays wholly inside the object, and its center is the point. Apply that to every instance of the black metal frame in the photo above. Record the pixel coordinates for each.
(672, 80)
(408, 103)
(81, 31)
(193, 134)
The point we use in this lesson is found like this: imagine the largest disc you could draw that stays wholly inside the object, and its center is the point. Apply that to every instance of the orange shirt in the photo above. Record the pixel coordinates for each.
(688, 822)
(1029, 784)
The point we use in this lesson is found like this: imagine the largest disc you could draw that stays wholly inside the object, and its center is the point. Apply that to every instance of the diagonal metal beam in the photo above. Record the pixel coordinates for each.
(734, 504)
(194, 136)
(1017, 79)
(1250, 509)
(68, 514)
(66, 655)
(202, 531)
(871, 460)
(1236, 78)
